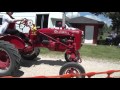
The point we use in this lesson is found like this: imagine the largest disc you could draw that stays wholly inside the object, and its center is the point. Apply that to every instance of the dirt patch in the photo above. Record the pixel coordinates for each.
(49, 65)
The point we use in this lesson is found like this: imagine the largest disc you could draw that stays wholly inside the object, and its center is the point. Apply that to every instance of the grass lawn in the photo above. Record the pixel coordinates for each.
(46, 52)
(99, 51)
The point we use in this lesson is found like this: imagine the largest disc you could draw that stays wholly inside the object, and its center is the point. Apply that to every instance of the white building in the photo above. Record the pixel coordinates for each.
(41, 19)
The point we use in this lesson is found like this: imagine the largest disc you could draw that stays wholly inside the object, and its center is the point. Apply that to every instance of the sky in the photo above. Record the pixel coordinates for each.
(89, 15)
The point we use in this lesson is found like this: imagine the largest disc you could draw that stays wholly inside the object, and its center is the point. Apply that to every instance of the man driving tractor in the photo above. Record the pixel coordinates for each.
(8, 27)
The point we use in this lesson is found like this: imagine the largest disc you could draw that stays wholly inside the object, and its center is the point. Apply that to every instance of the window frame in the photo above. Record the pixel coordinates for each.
(1, 18)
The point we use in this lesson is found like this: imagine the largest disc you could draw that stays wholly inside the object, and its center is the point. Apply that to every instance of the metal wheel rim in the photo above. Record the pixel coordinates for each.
(4, 60)
(72, 70)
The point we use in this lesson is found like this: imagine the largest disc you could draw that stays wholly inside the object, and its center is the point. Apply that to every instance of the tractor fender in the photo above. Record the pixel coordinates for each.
(16, 41)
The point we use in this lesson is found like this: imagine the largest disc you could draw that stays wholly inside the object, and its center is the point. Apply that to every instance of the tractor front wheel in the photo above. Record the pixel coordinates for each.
(72, 68)
(69, 59)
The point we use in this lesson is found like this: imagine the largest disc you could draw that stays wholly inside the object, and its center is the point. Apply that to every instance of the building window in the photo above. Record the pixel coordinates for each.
(58, 24)
(0, 21)
(42, 20)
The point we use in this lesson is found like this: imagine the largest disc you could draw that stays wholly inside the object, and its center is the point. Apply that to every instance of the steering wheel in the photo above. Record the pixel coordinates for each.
(25, 23)
(22, 24)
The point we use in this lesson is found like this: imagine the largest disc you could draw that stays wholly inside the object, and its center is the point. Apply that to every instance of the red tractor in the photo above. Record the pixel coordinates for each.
(62, 40)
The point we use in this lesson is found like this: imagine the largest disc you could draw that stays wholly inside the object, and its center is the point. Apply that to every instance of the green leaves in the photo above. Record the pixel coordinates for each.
(114, 16)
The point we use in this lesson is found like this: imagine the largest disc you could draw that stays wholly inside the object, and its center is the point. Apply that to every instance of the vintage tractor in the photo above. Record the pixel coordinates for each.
(62, 40)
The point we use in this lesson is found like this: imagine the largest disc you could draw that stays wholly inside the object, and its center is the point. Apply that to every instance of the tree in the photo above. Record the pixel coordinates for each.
(114, 16)
(103, 33)
(106, 28)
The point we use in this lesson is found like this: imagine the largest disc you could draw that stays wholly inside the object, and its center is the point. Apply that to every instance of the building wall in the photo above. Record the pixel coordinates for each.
(32, 16)
(95, 33)
(96, 30)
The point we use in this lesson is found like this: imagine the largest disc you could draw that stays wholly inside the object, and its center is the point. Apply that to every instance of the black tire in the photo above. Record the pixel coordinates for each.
(31, 56)
(14, 58)
(67, 57)
(72, 65)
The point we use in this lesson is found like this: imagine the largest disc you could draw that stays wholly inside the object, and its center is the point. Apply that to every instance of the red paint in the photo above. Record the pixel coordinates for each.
(28, 50)
(18, 42)
(54, 39)
(4, 59)
(95, 34)
(53, 35)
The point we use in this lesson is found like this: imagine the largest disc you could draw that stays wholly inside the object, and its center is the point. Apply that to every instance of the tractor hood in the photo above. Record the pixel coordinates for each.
(55, 31)
(77, 34)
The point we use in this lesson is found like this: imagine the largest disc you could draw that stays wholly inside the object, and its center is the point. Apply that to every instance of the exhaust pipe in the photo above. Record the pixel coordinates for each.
(63, 20)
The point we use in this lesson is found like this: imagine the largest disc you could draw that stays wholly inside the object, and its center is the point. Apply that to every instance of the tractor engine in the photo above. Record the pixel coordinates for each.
(58, 39)
(63, 40)
(52, 45)
(57, 46)
(55, 43)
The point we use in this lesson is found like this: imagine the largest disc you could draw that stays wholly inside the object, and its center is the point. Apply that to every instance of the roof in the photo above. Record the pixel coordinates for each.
(66, 18)
(84, 20)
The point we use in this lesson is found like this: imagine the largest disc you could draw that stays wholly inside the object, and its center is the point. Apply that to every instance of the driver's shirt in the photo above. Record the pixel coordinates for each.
(6, 20)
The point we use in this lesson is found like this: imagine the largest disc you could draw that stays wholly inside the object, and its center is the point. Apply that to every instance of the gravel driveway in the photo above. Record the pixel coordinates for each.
(49, 65)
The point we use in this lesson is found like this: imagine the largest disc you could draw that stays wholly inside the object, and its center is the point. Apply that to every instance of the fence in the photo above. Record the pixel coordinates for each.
(88, 75)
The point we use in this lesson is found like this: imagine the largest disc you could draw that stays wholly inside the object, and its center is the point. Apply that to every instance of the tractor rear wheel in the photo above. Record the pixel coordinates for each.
(9, 58)
(32, 55)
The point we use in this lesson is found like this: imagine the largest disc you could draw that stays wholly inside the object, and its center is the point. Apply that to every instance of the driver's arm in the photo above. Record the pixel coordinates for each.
(8, 19)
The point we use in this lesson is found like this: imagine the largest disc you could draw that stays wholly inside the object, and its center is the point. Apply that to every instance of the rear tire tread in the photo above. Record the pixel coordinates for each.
(14, 57)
